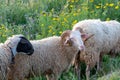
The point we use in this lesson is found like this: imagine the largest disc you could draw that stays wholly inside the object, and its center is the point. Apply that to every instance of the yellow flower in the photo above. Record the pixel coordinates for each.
(74, 14)
(72, 1)
(55, 19)
(65, 20)
(50, 31)
(49, 26)
(71, 6)
(91, 0)
(60, 32)
(111, 4)
(107, 4)
(74, 22)
(76, 0)
(97, 7)
(53, 33)
(42, 24)
(44, 14)
(104, 7)
(107, 19)
(116, 7)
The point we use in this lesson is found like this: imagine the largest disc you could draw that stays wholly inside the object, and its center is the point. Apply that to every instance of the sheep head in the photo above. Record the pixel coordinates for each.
(72, 38)
(18, 43)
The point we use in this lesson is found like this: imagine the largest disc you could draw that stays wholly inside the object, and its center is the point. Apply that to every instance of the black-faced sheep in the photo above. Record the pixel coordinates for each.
(11, 47)
(106, 39)
(52, 56)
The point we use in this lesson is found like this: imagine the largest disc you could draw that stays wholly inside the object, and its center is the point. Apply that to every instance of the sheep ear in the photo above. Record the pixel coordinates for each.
(85, 36)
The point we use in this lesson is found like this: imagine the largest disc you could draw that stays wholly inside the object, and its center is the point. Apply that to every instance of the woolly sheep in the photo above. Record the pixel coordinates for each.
(52, 56)
(9, 49)
(106, 39)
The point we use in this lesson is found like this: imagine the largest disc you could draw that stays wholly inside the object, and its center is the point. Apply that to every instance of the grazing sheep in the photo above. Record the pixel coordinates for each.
(106, 39)
(11, 47)
(52, 56)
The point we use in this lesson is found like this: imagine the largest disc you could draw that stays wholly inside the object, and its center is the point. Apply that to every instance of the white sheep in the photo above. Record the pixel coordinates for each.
(11, 47)
(51, 57)
(106, 39)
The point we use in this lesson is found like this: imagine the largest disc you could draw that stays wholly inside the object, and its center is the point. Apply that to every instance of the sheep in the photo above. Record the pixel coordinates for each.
(9, 49)
(105, 39)
(52, 56)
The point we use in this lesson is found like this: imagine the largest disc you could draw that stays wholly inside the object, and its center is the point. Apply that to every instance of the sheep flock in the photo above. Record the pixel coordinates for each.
(87, 42)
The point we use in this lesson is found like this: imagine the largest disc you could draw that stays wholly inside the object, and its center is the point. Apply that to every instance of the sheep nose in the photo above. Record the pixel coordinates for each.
(82, 47)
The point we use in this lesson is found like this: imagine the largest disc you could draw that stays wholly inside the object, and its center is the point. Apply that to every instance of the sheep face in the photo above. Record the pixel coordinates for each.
(18, 43)
(24, 46)
(73, 38)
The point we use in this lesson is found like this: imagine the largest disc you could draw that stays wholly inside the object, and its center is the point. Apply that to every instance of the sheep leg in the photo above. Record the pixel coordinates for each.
(87, 72)
(99, 63)
(77, 69)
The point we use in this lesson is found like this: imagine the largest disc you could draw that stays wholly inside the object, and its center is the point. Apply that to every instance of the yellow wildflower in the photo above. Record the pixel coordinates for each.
(71, 6)
(55, 19)
(42, 24)
(53, 33)
(74, 22)
(65, 20)
(72, 1)
(76, 0)
(97, 7)
(60, 32)
(50, 31)
(91, 0)
(107, 19)
(116, 7)
(104, 7)
(107, 4)
(74, 14)
(49, 26)
(111, 4)
(44, 14)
